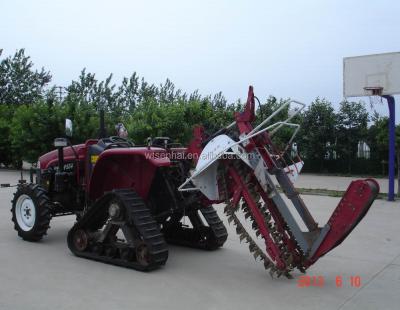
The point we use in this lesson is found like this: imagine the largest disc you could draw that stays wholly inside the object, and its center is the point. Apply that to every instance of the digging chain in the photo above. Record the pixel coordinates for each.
(277, 236)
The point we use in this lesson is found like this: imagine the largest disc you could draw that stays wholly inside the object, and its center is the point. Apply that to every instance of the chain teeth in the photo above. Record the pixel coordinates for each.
(226, 209)
(279, 273)
(272, 271)
(267, 264)
(288, 275)
(252, 246)
(278, 237)
(302, 269)
(258, 254)
(289, 260)
(243, 235)
(239, 230)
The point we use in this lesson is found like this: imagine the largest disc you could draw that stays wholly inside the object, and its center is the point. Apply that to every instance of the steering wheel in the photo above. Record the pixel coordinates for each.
(115, 141)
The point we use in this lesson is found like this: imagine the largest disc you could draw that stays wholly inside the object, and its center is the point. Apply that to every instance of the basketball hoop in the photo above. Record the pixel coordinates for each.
(378, 77)
(374, 94)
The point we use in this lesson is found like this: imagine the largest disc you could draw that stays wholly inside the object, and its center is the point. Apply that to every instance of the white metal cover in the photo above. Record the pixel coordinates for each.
(379, 70)
(204, 176)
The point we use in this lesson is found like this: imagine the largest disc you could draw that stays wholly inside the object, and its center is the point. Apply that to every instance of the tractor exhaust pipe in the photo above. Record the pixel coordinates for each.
(102, 131)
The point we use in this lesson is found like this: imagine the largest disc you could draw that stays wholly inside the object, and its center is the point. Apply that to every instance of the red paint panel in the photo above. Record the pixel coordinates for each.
(351, 209)
(126, 168)
(51, 158)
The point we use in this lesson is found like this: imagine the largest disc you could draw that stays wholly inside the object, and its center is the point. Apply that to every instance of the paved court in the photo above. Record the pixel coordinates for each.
(46, 275)
(314, 181)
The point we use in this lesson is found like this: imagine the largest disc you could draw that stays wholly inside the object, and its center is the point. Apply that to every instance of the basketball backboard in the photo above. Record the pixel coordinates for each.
(363, 75)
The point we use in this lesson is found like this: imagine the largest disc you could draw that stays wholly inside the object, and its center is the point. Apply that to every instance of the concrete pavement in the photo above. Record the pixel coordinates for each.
(316, 181)
(46, 275)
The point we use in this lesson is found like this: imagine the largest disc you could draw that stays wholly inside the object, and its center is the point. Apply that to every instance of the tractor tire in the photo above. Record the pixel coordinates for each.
(31, 212)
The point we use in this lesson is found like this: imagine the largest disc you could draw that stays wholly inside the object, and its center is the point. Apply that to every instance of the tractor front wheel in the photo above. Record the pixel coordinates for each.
(31, 212)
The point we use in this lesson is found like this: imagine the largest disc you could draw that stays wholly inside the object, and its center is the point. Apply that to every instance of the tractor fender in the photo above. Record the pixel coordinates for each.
(126, 168)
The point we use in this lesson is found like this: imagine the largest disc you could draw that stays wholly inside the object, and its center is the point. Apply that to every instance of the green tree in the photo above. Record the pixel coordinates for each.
(19, 82)
(175, 116)
(352, 128)
(85, 120)
(129, 92)
(34, 128)
(265, 110)
(317, 131)
(84, 90)
(270, 106)
(378, 137)
(6, 155)
(88, 93)
(219, 101)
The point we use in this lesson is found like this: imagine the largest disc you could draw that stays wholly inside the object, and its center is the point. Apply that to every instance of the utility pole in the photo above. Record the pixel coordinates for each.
(61, 92)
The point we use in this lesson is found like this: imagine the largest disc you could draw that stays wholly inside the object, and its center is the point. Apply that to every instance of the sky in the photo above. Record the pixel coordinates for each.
(283, 48)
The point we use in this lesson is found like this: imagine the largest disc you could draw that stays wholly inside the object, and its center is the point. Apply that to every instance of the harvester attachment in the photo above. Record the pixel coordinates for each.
(242, 166)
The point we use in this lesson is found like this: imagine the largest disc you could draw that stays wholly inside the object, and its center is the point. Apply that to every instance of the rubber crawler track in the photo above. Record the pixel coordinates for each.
(137, 217)
(209, 237)
(217, 226)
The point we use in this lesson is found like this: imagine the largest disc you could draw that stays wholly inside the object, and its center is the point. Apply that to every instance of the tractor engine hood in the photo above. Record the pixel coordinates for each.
(51, 158)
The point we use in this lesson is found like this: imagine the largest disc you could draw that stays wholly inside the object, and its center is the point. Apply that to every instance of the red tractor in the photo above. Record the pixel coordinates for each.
(131, 201)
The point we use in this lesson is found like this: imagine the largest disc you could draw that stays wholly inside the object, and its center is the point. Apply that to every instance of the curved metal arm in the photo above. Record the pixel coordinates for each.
(302, 106)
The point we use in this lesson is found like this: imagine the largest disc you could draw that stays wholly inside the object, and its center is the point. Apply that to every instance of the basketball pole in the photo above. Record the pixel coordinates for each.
(390, 101)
